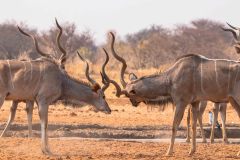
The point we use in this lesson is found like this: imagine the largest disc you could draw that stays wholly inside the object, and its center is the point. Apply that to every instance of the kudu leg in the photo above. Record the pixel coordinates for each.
(178, 115)
(199, 117)
(2, 99)
(29, 110)
(43, 114)
(201, 109)
(194, 116)
(11, 117)
(215, 118)
(235, 102)
(223, 110)
(188, 125)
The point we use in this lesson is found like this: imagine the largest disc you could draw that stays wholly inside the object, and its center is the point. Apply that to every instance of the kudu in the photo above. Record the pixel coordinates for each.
(218, 107)
(191, 79)
(45, 82)
(30, 104)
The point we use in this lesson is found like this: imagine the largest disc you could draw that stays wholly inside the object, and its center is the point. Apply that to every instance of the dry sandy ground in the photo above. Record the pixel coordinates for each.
(123, 115)
(23, 148)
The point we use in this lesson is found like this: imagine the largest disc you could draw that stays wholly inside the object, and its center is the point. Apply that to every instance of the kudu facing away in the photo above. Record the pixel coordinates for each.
(45, 82)
(217, 106)
(30, 104)
(192, 78)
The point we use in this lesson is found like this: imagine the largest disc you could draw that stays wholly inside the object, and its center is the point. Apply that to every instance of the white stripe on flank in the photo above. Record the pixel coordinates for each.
(43, 68)
(24, 70)
(216, 74)
(194, 79)
(9, 66)
(31, 69)
(40, 69)
(228, 60)
(201, 77)
(229, 75)
(236, 76)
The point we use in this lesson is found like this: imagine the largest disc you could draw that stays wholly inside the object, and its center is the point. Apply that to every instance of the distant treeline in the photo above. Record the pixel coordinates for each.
(15, 45)
(150, 47)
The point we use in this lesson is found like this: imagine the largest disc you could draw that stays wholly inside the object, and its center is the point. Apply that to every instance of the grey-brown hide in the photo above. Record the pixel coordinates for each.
(217, 106)
(193, 78)
(25, 80)
(45, 81)
(194, 72)
(29, 104)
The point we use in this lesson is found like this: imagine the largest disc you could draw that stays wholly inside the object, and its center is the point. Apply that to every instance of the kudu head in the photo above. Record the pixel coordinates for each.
(236, 35)
(98, 100)
(136, 90)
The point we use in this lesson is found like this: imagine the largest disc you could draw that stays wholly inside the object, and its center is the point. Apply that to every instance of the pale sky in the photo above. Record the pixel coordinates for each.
(122, 16)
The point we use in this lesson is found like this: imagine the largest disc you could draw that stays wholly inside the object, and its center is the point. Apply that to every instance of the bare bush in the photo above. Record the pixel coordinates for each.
(156, 45)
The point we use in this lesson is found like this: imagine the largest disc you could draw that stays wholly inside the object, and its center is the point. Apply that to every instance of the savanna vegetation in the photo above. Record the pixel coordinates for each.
(148, 48)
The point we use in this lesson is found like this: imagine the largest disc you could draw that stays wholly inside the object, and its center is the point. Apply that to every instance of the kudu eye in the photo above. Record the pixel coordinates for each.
(132, 92)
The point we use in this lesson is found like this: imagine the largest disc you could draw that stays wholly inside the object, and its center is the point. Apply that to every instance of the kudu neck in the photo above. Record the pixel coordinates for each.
(160, 84)
(77, 91)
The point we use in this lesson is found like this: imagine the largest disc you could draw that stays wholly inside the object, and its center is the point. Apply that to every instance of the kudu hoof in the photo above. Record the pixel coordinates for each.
(169, 153)
(191, 152)
(46, 151)
(1, 136)
(225, 141)
(204, 141)
(188, 140)
(30, 136)
(238, 154)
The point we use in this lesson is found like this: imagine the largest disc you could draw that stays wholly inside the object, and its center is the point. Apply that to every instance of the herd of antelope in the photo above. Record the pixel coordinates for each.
(191, 80)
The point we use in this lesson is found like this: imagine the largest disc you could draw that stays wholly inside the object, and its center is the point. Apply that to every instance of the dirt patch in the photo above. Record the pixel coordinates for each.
(125, 122)
(24, 148)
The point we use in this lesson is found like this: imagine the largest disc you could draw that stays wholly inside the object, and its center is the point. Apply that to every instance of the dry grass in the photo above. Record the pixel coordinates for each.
(77, 70)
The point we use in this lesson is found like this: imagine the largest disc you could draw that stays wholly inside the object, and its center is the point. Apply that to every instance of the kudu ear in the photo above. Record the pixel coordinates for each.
(63, 62)
(133, 92)
(95, 87)
(132, 77)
